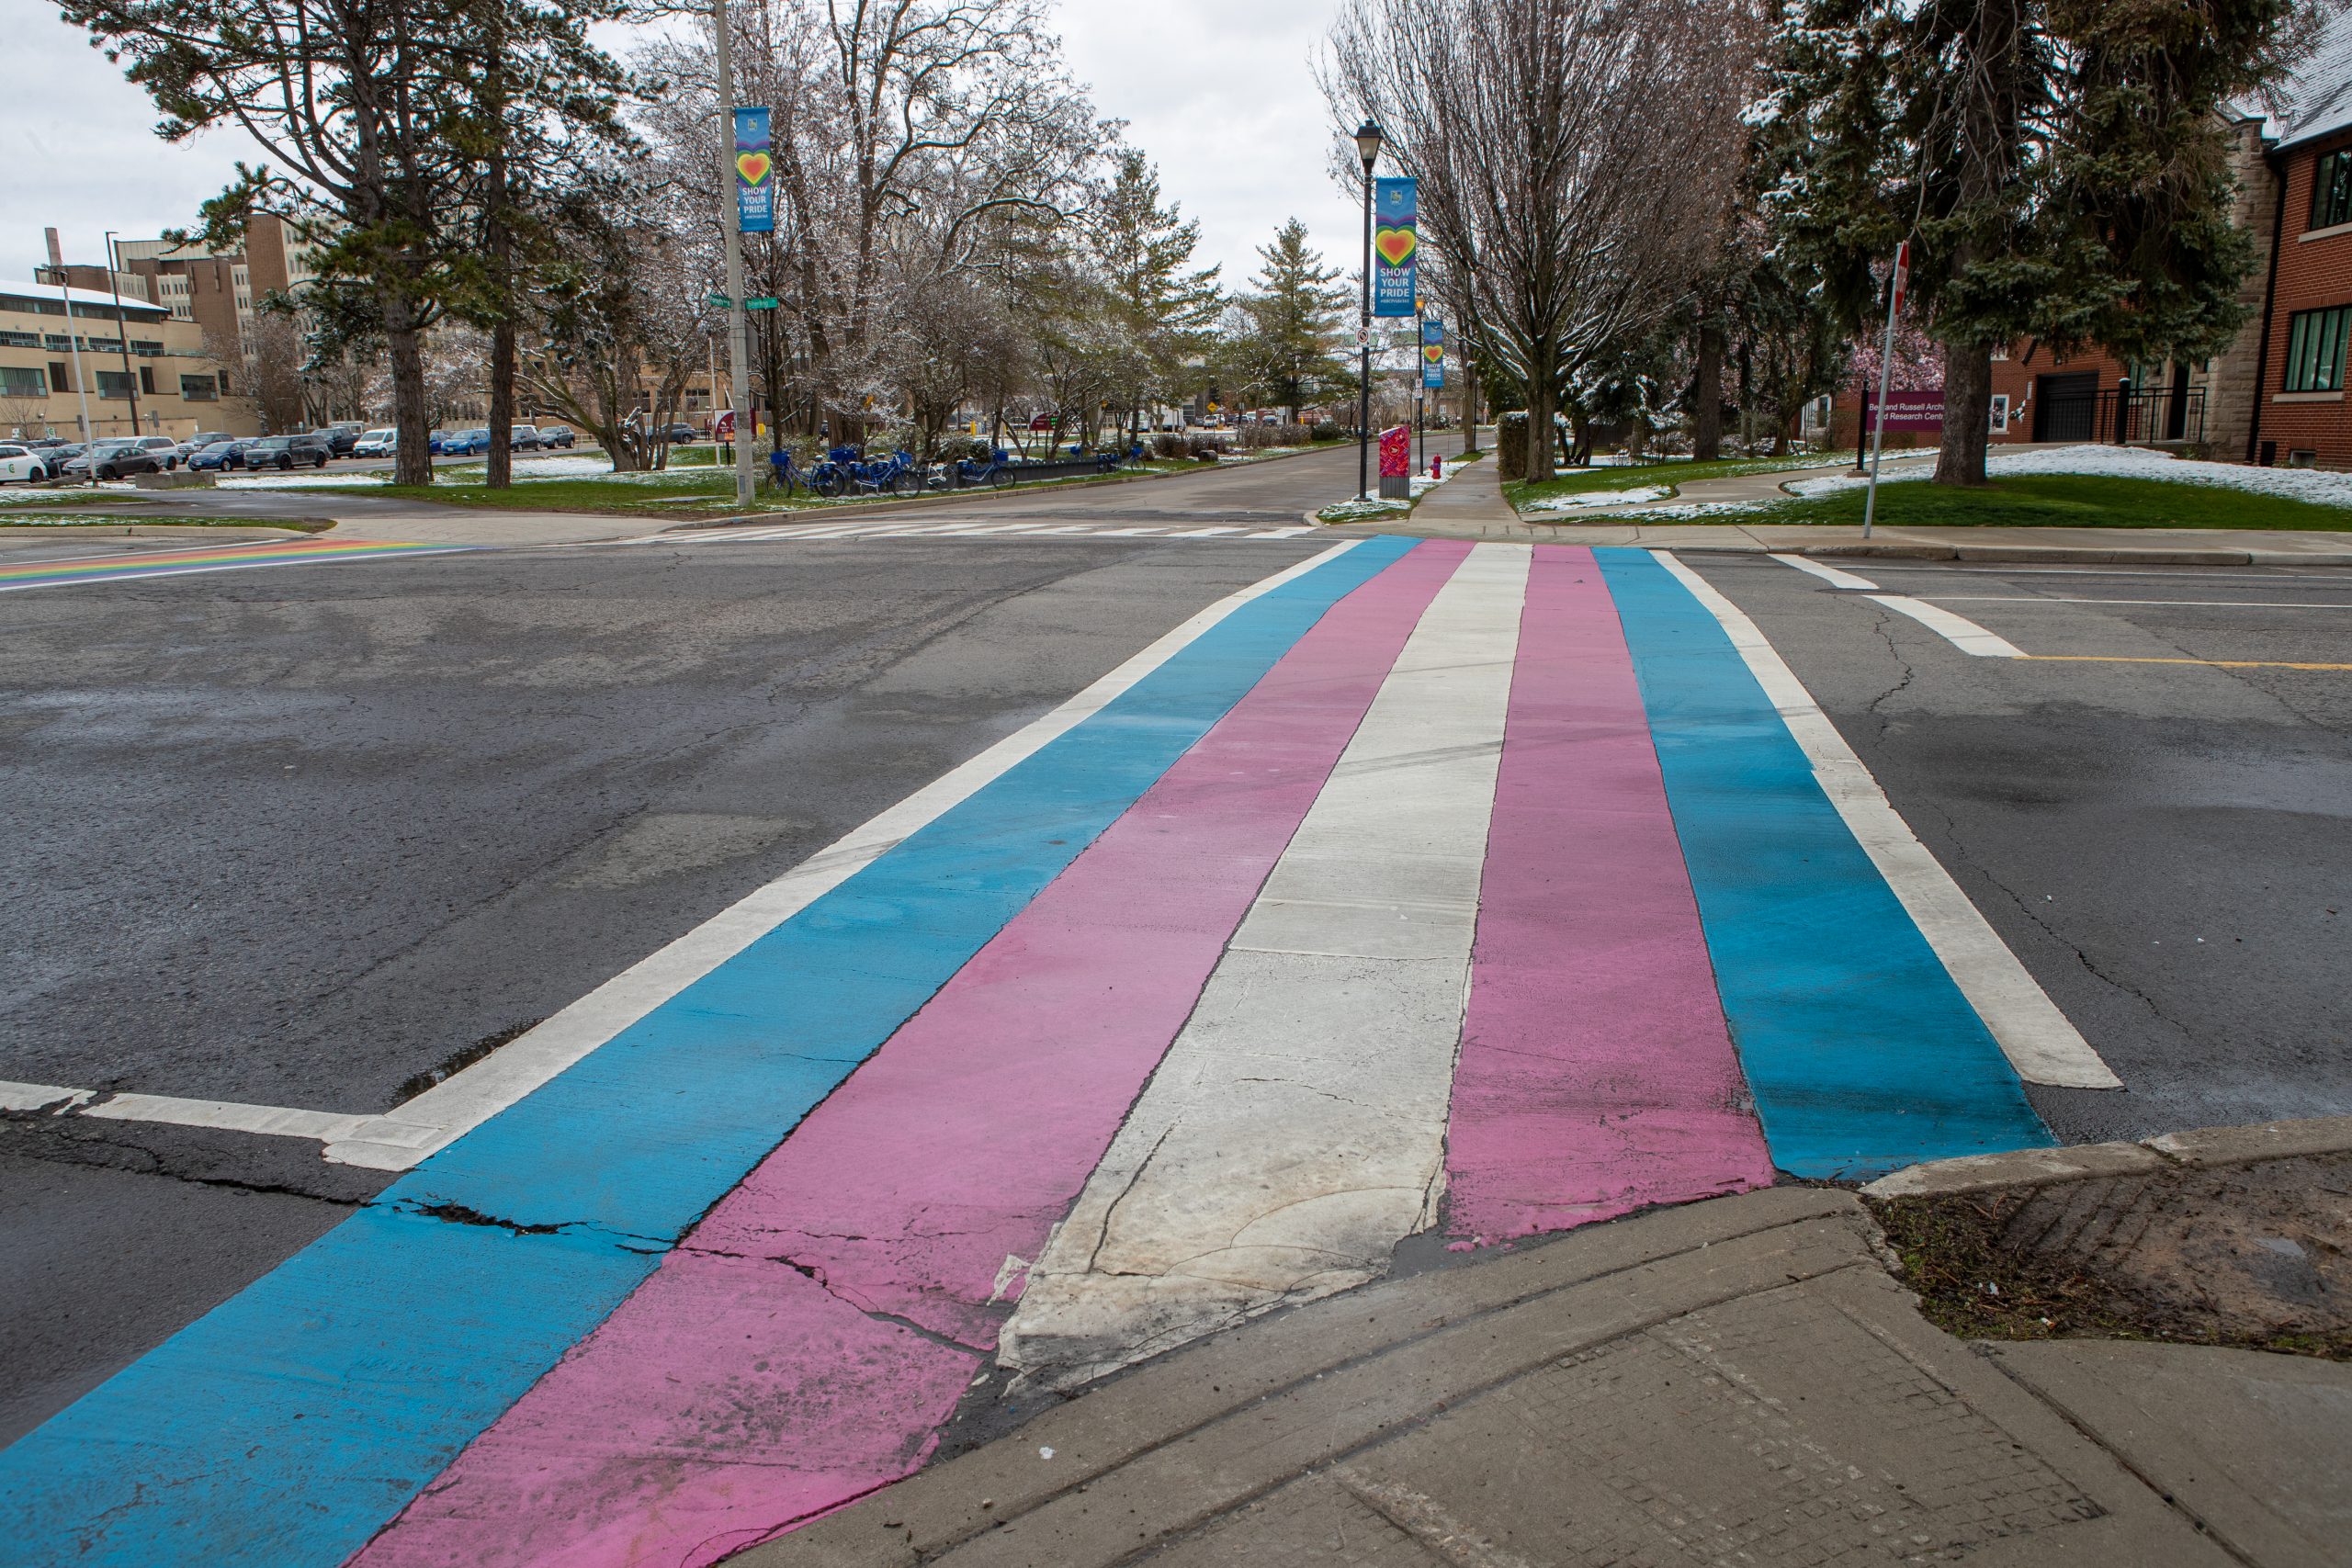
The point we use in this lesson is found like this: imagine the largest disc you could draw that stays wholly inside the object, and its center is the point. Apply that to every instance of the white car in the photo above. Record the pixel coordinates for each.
(377, 443)
(19, 464)
(166, 450)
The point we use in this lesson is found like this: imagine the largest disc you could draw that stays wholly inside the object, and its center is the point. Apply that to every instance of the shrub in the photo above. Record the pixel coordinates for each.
(1511, 445)
(1328, 431)
(1205, 449)
(1167, 445)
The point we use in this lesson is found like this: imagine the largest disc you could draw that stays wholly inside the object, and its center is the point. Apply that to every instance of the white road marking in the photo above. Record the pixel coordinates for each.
(2038, 1039)
(2055, 598)
(1201, 533)
(1290, 533)
(1828, 574)
(273, 1121)
(464, 1101)
(42, 1097)
(1296, 1131)
(1958, 630)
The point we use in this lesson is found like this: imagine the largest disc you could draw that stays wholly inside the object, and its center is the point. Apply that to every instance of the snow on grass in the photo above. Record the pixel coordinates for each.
(2317, 485)
(316, 480)
(1580, 498)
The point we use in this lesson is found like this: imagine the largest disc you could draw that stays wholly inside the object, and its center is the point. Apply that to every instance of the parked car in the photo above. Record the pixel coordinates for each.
(466, 442)
(114, 460)
(226, 453)
(19, 464)
(377, 443)
(438, 442)
(341, 436)
(523, 438)
(679, 435)
(54, 458)
(287, 451)
(554, 436)
(166, 450)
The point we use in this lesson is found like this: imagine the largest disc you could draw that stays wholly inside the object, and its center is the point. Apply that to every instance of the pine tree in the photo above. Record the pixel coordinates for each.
(1288, 323)
(2059, 167)
(1162, 310)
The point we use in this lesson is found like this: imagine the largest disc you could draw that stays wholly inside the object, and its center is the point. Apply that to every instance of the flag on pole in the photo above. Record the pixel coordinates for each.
(754, 173)
(1432, 355)
(1395, 242)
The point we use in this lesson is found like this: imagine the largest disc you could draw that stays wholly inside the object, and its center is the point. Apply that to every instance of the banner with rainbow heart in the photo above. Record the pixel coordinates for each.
(1433, 354)
(1395, 246)
(754, 169)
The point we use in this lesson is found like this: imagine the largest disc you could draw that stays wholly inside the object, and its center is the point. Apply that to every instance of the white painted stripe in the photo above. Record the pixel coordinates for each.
(275, 1121)
(2040, 1042)
(41, 1097)
(1828, 574)
(1296, 1131)
(1033, 528)
(466, 1099)
(1201, 533)
(1291, 533)
(1958, 630)
(1123, 533)
(2178, 604)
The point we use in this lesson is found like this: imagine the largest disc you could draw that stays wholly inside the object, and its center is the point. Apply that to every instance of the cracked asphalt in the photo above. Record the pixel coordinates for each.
(2167, 847)
(311, 836)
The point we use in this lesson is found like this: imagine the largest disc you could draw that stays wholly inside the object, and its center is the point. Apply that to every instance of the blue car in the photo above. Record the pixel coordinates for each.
(466, 443)
(221, 455)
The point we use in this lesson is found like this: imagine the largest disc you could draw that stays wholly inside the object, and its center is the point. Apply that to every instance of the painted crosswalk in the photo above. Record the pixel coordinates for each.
(139, 565)
(1484, 890)
(888, 528)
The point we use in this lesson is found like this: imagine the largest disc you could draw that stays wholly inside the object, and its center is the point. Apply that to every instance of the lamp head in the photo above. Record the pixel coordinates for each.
(1368, 141)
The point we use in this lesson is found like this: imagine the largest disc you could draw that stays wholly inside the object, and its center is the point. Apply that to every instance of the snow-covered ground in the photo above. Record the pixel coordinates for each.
(2326, 488)
(1575, 499)
(314, 479)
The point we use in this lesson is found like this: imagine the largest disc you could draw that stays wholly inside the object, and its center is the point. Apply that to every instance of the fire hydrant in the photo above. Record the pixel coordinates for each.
(1437, 466)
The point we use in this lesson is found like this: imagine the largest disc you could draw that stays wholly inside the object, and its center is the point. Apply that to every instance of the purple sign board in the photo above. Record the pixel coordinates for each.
(1911, 411)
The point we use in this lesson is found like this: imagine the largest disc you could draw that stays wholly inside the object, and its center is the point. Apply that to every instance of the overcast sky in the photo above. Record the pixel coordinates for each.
(1218, 92)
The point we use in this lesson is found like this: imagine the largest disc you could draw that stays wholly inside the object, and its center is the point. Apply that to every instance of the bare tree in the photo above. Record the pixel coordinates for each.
(271, 374)
(1555, 143)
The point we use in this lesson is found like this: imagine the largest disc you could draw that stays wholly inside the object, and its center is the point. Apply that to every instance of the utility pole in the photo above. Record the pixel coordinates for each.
(122, 335)
(1901, 274)
(73, 338)
(739, 357)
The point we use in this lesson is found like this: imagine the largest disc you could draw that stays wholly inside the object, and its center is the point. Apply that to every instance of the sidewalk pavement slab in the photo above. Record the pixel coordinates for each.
(2266, 1462)
(1733, 1380)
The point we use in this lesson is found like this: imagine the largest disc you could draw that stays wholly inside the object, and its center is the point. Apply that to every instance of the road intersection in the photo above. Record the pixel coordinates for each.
(1246, 912)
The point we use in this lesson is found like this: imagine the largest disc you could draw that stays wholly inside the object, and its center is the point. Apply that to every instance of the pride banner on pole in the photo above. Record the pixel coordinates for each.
(1432, 355)
(1396, 244)
(754, 173)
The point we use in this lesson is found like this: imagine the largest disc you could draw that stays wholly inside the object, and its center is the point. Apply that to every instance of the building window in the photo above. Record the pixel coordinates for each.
(145, 348)
(113, 384)
(23, 382)
(199, 389)
(2315, 350)
(57, 377)
(223, 379)
(2332, 189)
(147, 379)
(19, 340)
(56, 342)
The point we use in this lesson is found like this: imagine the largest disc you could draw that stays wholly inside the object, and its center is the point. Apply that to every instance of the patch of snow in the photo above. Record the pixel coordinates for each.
(2318, 485)
(1599, 498)
(315, 479)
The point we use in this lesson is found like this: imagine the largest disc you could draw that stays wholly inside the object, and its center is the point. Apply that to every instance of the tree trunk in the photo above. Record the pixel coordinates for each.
(1540, 440)
(502, 405)
(1707, 393)
(413, 457)
(1968, 413)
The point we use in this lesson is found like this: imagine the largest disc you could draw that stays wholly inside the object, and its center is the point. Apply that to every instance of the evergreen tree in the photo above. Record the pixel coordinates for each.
(1288, 323)
(2059, 167)
(1161, 311)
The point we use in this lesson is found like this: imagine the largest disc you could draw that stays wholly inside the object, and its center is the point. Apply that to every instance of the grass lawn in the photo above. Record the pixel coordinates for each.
(1642, 476)
(2057, 501)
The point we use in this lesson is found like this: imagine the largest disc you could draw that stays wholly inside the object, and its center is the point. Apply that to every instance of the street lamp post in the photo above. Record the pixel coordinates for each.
(737, 340)
(1368, 148)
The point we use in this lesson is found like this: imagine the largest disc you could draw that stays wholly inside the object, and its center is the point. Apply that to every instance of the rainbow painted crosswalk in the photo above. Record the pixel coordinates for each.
(136, 565)
(1424, 886)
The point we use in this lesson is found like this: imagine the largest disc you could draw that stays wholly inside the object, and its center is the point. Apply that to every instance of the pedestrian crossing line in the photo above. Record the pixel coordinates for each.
(1201, 533)
(1003, 1090)
(186, 562)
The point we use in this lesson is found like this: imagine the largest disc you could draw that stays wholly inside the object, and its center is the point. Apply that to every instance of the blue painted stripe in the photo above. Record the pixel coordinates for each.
(286, 1427)
(1862, 1055)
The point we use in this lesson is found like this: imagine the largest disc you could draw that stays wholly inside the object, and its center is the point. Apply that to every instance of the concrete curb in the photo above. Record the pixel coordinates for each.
(2083, 1162)
(959, 498)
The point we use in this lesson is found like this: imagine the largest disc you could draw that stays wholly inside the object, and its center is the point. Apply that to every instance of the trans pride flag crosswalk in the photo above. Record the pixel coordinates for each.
(1427, 886)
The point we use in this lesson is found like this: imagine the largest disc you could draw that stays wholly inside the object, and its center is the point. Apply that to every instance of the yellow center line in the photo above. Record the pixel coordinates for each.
(2210, 664)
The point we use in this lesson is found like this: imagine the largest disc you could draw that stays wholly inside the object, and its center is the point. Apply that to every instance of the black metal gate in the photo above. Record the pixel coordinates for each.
(2065, 408)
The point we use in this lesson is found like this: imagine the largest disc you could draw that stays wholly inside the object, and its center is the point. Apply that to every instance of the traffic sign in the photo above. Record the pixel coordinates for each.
(721, 301)
(768, 304)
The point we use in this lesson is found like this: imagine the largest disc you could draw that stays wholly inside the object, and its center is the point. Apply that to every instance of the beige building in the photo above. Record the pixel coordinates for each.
(72, 355)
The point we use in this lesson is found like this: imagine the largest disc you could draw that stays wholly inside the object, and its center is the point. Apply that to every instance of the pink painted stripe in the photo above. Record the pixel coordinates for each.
(745, 1388)
(1596, 1074)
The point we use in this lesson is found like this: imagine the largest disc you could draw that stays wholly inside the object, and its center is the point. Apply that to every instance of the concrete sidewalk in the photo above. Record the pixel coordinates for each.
(1735, 1381)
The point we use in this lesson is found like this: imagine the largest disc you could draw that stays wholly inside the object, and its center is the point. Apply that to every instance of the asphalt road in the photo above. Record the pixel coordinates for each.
(2167, 847)
(299, 836)
(309, 836)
